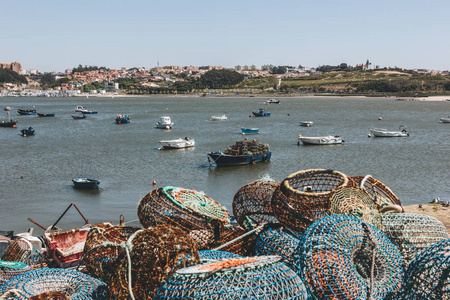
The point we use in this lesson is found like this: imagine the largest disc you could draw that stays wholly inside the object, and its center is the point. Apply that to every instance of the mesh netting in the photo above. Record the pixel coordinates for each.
(356, 203)
(185, 209)
(18, 250)
(342, 257)
(263, 277)
(278, 240)
(304, 197)
(216, 255)
(230, 241)
(10, 269)
(428, 274)
(252, 203)
(75, 285)
(98, 260)
(154, 253)
(378, 191)
(412, 233)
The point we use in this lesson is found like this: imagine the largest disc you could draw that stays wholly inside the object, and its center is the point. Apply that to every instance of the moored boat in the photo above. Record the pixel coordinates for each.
(261, 113)
(27, 131)
(26, 112)
(164, 123)
(8, 122)
(178, 143)
(78, 117)
(444, 120)
(249, 130)
(319, 140)
(86, 183)
(270, 101)
(218, 118)
(241, 153)
(306, 123)
(122, 119)
(380, 132)
(84, 110)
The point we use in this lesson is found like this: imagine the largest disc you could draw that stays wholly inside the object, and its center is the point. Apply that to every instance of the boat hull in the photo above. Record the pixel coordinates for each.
(257, 114)
(221, 159)
(218, 118)
(320, 140)
(27, 132)
(45, 115)
(306, 123)
(86, 183)
(164, 126)
(444, 120)
(78, 117)
(250, 130)
(385, 133)
(177, 144)
(8, 123)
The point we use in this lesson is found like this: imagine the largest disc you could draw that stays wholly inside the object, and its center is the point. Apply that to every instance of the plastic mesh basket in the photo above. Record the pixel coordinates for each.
(252, 203)
(275, 239)
(342, 257)
(304, 197)
(75, 285)
(357, 203)
(412, 233)
(428, 274)
(263, 277)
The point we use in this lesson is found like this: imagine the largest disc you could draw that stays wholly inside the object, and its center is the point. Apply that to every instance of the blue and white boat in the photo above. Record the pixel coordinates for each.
(261, 113)
(249, 130)
(122, 119)
(86, 183)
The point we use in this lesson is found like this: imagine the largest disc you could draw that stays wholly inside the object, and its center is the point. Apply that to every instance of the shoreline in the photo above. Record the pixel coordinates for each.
(433, 210)
(426, 99)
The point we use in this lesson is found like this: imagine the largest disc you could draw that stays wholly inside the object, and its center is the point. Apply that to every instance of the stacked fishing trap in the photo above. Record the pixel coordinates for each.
(252, 203)
(143, 262)
(191, 211)
(412, 233)
(304, 197)
(342, 257)
(428, 274)
(262, 277)
(249, 148)
(73, 284)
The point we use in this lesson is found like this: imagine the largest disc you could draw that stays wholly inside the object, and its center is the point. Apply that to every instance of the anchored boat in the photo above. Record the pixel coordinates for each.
(250, 130)
(122, 119)
(241, 153)
(177, 143)
(8, 122)
(85, 183)
(164, 123)
(319, 140)
(261, 113)
(27, 131)
(379, 132)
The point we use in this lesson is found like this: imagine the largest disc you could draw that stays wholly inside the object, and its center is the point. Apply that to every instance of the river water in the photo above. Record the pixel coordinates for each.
(36, 171)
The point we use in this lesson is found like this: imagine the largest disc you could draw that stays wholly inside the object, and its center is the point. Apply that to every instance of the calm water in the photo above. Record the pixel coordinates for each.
(126, 157)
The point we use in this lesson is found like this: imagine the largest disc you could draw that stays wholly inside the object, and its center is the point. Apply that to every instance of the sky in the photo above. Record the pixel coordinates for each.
(52, 36)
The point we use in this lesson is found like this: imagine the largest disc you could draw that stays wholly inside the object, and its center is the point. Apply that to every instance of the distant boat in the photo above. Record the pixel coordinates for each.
(45, 115)
(250, 130)
(8, 122)
(319, 140)
(27, 131)
(306, 123)
(177, 143)
(122, 119)
(269, 101)
(78, 117)
(83, 110)
(242, 153)
(261, 113)
(218, 118)
(380, 132)
(86, 183)
(164, 123)
(24, 112)
(444, 120)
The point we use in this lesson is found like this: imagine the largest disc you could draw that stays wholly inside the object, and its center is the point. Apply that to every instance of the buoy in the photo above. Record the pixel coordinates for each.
(14, 126)
(379, 118)
(154, 182)
(21, 176)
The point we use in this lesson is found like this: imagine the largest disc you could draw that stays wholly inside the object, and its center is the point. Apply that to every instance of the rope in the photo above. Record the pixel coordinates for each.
(238, 238)
(372, 267)
(130, 289)
(10, 293)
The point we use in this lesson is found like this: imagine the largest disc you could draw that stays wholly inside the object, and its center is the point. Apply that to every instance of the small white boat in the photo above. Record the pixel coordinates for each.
(319, 140)
(269, 101)
(444, 120)
(177, 143)
(380, 132)
(164, 123)
(83, 110)
(306, 123)
(218, 118)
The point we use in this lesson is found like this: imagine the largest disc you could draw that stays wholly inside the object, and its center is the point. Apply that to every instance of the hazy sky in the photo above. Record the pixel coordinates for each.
(53, 35)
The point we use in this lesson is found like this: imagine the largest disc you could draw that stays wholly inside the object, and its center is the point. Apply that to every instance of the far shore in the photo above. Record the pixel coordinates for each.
(429, 98)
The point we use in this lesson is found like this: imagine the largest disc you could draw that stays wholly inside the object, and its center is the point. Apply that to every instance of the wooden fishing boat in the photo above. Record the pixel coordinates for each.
(8, 122)
(27, 131)
(261, 113)
(249, 130)
(78, 117)
(122, 119)
(25, 112)
(242, 153)
(85, 183)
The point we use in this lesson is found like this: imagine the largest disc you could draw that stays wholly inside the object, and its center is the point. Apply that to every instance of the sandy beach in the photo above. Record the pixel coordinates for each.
(434, 210)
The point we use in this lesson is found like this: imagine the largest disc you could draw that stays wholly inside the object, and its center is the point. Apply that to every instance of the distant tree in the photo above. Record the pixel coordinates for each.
(279, 70)
(10, 76)
(47, 79)
(223, 78)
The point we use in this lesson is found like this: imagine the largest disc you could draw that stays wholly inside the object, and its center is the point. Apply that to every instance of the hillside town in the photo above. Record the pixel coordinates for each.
(157, 77)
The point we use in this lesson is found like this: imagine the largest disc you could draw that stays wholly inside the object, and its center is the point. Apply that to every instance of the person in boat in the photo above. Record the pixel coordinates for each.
(186, 138)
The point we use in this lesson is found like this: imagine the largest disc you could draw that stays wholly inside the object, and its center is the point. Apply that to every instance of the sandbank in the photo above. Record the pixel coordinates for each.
(431, 209)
